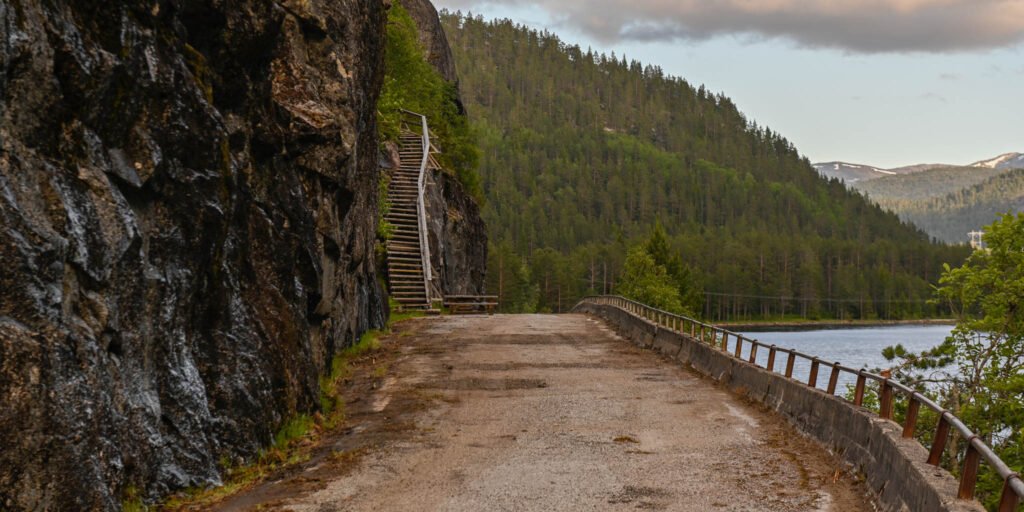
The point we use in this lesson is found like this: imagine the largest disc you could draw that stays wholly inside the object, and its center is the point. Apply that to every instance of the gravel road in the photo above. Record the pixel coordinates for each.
(556, 412)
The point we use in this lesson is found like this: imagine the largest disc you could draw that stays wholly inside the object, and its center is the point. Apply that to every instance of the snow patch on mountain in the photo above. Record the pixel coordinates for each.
(1004, 161)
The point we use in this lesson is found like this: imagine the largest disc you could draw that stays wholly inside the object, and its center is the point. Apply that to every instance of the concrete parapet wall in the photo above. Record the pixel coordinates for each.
(893, 467)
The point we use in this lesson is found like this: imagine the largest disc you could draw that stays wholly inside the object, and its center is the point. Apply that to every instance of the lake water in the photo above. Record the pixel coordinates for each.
(854, 347)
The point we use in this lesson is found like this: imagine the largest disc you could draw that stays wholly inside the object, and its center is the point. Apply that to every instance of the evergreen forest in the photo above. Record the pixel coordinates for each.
(589, 160)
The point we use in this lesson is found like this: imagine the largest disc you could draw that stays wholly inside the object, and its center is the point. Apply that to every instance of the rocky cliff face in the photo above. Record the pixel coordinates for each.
(187, 214)
(457, 236)
(433, 38)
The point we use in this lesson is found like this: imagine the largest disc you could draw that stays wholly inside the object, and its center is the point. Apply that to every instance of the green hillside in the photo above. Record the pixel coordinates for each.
(581, 154)
(890, 191)
(952, 216)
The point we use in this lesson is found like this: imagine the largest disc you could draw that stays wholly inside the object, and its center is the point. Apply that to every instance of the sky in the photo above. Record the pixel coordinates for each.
(879, 82)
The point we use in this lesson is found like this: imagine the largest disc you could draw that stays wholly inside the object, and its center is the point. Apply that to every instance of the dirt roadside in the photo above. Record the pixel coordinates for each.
(550, 412)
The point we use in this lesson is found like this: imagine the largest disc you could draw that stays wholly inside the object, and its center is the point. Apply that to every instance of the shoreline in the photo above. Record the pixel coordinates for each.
(801, 325)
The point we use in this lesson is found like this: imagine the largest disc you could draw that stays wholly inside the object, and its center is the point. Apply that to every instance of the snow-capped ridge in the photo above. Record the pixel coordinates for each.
(1003, 161)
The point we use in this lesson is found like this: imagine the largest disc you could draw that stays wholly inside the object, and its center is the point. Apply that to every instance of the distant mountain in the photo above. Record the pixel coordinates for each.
(1005, 161)
(927, 184)
(850, 173)
(946, 201)
(952, 216)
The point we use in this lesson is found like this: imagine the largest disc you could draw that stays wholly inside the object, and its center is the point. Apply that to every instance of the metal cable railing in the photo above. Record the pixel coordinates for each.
(977, 451)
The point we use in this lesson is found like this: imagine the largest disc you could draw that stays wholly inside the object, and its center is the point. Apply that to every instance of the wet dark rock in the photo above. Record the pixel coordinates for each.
(457, 235)
(187, 218)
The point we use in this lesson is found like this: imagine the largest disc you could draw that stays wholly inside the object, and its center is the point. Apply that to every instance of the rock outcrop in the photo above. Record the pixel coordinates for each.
(187, 219)
(433, 38)
(457, 235)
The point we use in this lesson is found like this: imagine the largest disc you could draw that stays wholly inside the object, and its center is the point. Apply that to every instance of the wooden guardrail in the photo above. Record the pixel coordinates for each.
(976, 452)
(471, 303)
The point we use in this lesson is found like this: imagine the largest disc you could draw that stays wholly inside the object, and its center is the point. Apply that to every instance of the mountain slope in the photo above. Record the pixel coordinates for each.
(850, 173)
(937, 182)
(583, 153)
(1004, 161)
(952, 216)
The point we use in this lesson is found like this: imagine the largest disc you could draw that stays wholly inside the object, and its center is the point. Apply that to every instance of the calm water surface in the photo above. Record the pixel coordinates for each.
(854, 347)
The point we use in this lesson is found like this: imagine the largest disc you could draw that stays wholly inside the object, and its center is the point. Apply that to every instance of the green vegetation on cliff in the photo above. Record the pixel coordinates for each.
(411, 83)
(583, 153)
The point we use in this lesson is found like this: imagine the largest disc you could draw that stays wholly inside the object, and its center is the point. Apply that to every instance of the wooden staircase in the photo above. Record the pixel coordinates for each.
(406, 277)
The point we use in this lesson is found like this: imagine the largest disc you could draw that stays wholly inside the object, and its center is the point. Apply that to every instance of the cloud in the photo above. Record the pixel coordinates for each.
(858, 26)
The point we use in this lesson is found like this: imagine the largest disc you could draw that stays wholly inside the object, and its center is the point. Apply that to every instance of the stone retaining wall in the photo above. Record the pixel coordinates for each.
(894, 468)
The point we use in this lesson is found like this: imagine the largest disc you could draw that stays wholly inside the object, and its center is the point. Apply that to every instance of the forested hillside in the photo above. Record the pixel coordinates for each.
(952, 216)
(889, 191)
(583, 153)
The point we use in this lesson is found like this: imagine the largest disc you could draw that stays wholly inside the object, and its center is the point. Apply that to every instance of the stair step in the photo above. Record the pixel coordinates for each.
(419, 293)
(406, 265)
(411, 295)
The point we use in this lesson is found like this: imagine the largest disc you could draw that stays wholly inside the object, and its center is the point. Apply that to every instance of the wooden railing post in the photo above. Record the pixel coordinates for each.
(858, 393)
(739, 346)
(969, 476)
(812, 379)
(771, 358)
(913, 406)
(885, 397)
(789, 365)
(939, 443)
(753, 353)
(833, 379)
(1009, 500)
